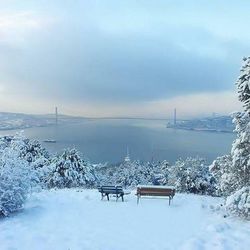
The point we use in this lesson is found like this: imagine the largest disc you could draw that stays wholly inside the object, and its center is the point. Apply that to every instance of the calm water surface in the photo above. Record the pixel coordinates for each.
(107, 140)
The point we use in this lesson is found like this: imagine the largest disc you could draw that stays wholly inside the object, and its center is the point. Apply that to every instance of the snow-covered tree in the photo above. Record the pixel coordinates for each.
(130, 174)
(193, 176)
(239, 203)
(31, 151)
(16, 179)
(221, 168)
(241, 151)
(241, 146)
(5, 141)
(243, 84)
(70, 170)
(163, 177)
(34, 153)
(190, 175)
(233, 172)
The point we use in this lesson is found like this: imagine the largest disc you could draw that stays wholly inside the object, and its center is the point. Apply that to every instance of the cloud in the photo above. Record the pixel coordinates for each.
(1, 89)
(120, 69)
(16, 26)
(192, 105)
(119, 53)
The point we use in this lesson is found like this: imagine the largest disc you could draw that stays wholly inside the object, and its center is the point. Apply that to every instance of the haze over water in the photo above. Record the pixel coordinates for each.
(107, 140)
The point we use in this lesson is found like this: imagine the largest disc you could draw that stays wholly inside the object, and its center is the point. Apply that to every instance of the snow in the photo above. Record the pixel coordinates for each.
(78, 219)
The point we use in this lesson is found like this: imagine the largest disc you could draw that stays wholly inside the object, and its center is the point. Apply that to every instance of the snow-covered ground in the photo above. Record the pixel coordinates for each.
(78, 219)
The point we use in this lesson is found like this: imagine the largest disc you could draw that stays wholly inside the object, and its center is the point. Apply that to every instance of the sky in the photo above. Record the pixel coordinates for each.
(110, 58)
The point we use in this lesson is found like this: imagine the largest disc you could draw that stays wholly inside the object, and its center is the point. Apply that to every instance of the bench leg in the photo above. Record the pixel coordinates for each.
(117, 197)
(102, 196)
(107, 196)
(122, 198)
(138, 198)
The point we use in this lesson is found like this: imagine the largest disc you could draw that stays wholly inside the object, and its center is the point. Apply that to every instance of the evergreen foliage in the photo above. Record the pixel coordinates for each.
(232, 172)
(192, 175)
(239, 203)
(69, 170)
(16, 177)
(221, 169)
(243, 84)
(241, 151)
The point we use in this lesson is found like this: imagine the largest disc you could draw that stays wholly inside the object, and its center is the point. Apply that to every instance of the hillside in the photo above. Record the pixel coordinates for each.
(78, 219)
(211, 124)
(9, 121)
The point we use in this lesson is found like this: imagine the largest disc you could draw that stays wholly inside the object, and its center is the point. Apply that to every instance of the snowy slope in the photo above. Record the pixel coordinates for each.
(212, 124)
(21, 121)
(68, 219)
(10, 121)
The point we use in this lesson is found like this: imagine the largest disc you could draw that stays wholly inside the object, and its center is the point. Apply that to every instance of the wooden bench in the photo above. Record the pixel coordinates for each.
(160, 191)
(117, 191)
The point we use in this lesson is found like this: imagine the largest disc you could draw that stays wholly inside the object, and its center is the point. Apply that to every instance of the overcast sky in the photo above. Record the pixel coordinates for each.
(122, 58)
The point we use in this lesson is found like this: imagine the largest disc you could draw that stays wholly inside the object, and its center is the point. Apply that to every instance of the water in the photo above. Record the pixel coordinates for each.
(107, 140)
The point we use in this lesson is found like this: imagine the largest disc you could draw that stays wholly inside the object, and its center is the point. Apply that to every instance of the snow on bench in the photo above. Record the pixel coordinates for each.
(161, 191)
(115, 190)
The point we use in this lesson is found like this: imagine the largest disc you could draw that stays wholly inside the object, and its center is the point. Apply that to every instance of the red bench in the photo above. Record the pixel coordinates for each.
(158, 191)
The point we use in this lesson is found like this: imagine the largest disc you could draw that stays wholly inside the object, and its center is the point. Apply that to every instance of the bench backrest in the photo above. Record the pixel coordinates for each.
(154, 191)
(110, 189)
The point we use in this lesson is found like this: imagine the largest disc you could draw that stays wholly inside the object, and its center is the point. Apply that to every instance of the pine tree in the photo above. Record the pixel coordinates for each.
(241, 151)
(70, 170)
(17, 178)
(239, 202)
(241, 146)
(192, 175)
(243, 84)
(233, 172)
(221, 168)
(163, 177)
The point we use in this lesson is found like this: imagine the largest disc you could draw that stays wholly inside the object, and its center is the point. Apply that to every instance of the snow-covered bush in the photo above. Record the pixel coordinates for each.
(31, 151)
(190, 175)
(221, 168)
(193, 176)
(130, 174)
(5, 141)
(70, 170)
(163, 175)
(16, 180)
(239, 203)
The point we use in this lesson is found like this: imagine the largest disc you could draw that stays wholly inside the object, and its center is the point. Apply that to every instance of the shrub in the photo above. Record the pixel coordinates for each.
(239, 203)
(16, 181)
(70, 170)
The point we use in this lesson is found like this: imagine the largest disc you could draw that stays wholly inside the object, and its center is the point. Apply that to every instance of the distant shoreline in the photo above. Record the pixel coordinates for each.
(203, 130)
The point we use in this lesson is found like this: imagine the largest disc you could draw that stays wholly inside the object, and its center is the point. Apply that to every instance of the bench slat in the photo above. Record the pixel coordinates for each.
(155, 191)
(156, 194)
(112, 190)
